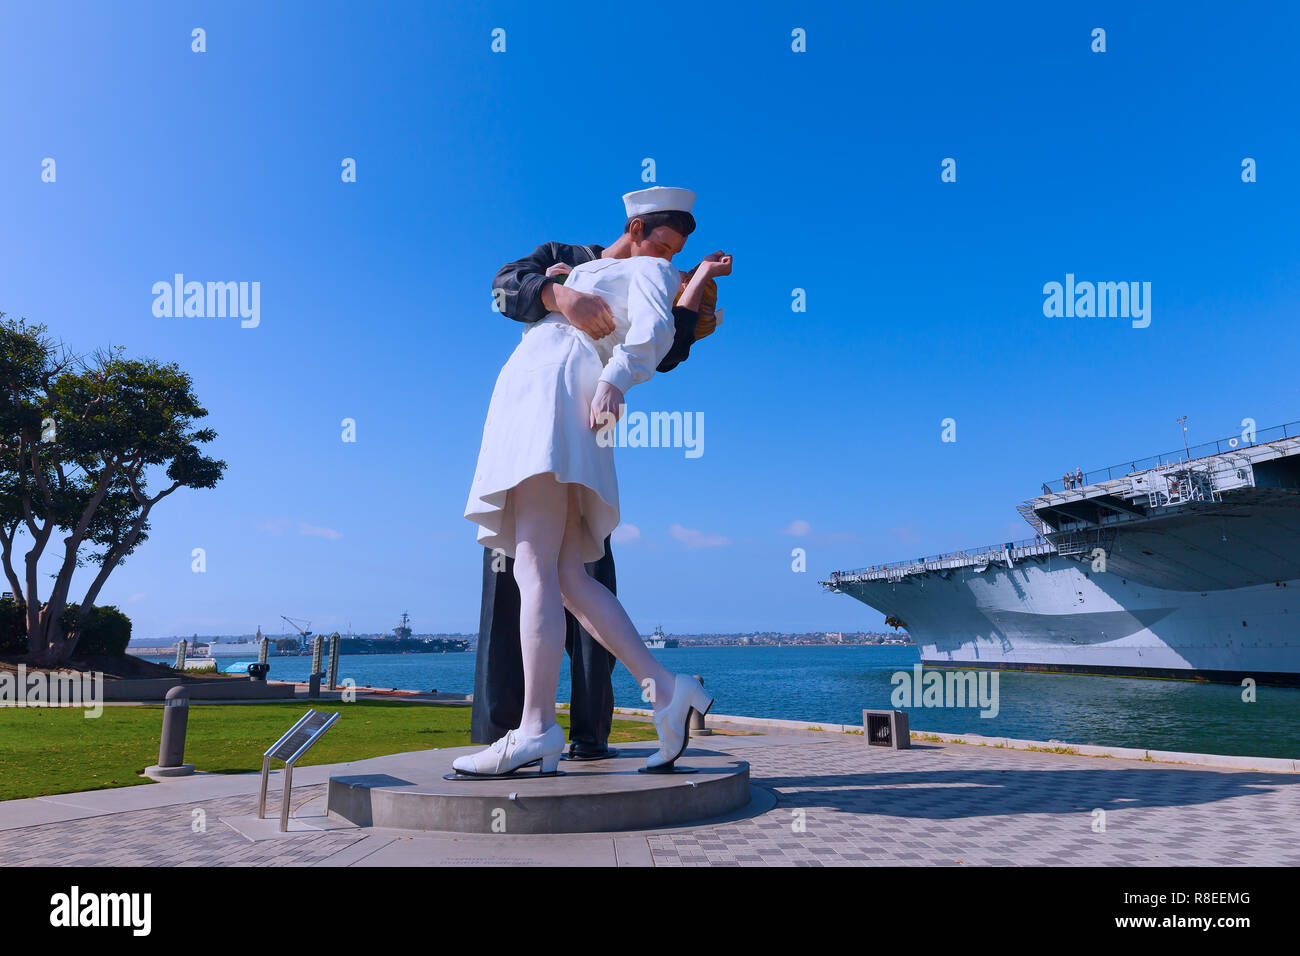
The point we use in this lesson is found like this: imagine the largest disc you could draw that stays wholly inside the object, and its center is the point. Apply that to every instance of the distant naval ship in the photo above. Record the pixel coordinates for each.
(240, 648)
(657, 641)
(1179, 566)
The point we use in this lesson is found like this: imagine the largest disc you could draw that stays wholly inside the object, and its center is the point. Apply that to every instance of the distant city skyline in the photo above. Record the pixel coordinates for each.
(846, 637)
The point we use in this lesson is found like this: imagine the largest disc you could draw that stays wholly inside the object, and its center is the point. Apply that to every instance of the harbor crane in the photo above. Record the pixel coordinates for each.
(303, 631)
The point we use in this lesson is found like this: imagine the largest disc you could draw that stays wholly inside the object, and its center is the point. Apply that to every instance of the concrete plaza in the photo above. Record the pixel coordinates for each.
(818, 799)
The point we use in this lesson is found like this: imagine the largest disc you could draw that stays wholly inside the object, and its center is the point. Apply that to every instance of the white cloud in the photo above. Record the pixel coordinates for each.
(315, 532)
(798, 528)
(695, 539)
(626, 534)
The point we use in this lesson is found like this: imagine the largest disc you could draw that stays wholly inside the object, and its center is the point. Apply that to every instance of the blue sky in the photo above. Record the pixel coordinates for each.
(817, 170)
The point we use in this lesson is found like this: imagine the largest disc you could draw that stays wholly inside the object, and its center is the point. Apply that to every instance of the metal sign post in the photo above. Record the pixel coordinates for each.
(300, 738)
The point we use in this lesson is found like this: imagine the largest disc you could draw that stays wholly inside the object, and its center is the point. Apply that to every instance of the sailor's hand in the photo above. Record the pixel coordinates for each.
(585, 311)
(606, 406)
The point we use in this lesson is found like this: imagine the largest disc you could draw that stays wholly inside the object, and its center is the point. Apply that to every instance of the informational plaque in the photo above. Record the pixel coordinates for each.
(300, 738)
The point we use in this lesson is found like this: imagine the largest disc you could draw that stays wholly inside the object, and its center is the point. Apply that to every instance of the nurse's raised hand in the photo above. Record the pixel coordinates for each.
(606, 406)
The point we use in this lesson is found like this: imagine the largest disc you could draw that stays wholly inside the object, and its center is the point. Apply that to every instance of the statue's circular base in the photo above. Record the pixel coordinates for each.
(592, 797)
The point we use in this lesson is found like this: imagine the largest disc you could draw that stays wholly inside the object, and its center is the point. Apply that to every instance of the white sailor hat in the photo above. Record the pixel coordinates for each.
(658, 199)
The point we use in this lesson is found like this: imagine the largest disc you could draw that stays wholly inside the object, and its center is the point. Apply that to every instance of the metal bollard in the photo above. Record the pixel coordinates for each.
(171, 748)
(697, 719)
(313, 686)
(333, 682)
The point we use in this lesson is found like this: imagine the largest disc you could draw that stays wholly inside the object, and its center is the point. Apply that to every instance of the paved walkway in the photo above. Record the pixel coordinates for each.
(821, 799)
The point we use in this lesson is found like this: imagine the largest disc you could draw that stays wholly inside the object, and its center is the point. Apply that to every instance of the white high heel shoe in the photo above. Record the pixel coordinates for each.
(673, 723)
(513, 752)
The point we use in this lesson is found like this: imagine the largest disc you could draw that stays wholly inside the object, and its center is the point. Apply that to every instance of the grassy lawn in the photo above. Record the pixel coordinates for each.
(58, 750)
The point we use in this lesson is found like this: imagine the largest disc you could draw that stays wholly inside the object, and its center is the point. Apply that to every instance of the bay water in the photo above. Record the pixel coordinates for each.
(833, 684)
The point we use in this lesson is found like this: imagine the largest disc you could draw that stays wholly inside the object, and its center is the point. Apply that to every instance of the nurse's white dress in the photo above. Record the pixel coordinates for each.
(539, 419)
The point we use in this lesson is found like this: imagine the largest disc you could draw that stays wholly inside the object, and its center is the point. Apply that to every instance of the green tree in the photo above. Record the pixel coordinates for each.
(80, 439)
(106, 630)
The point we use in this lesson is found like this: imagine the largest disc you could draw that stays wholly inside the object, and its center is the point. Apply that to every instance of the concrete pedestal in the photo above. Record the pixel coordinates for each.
(589, 797)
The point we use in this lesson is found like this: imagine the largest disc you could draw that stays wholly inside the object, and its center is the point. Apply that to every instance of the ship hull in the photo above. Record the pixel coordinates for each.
(1052, 613)
(241, 651)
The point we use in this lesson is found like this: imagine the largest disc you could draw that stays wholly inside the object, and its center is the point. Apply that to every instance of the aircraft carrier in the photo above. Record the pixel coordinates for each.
(1182, 566)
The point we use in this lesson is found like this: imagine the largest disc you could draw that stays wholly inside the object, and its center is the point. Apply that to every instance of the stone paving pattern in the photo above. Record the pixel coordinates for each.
(969, 805)
(839, 803)
(164, 837)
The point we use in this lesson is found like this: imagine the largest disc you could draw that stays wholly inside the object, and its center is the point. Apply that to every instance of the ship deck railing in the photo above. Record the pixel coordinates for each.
(1220, 447)
(1228, 471)
(983, 555)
